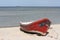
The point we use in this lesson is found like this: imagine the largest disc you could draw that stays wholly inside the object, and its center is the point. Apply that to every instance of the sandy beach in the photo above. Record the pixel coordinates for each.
(14, 33)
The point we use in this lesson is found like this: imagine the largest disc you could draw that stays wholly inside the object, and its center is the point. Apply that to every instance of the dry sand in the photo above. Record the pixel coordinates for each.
(14, 33)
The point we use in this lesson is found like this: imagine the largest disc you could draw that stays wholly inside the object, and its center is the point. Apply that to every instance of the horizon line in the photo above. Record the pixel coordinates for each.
(28, 6)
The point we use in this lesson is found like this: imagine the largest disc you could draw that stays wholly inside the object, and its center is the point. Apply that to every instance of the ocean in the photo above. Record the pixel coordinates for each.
(11, 16)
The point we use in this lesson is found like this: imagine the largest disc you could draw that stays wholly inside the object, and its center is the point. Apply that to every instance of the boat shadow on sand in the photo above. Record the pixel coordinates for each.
(38, 34)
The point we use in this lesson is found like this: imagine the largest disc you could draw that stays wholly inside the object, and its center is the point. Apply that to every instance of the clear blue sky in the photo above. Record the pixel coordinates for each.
(29, 2)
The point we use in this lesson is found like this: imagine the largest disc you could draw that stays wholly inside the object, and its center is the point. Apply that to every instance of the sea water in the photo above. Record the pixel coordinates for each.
(10, 16)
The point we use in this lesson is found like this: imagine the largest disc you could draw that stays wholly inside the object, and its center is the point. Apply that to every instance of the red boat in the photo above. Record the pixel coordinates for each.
(40, 26)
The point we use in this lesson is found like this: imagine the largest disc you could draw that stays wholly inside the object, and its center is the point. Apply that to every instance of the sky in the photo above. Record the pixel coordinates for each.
(29, 2)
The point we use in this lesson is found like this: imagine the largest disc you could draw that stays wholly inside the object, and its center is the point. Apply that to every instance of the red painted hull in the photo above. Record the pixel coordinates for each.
(39, 26)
